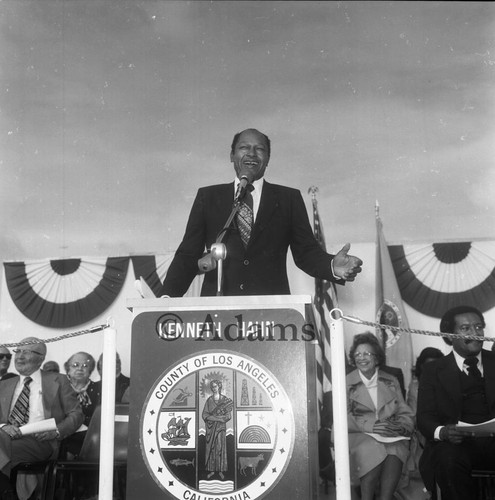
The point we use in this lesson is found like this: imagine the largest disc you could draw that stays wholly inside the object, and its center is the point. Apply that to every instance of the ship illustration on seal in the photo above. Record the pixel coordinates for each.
(177, 434)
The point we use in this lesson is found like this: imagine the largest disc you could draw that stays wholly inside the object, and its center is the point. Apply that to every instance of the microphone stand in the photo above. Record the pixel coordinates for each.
(218, 251)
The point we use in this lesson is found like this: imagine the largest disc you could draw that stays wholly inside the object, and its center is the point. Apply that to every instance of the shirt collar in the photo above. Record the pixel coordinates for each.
(369, 383)
(460, 361)
(35, 377)
(257, 185)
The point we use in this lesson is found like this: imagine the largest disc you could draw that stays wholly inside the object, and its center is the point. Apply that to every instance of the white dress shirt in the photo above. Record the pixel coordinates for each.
(372, 386)
(36, 412)
(463, 368)
(255, 193)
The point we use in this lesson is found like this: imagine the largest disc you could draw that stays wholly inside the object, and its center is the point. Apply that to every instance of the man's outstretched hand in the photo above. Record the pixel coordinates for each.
(346, 266)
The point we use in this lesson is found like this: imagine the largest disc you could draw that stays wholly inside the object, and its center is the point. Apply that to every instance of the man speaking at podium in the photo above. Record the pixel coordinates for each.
(270, 219)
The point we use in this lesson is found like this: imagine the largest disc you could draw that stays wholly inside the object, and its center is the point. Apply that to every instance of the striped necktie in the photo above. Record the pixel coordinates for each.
(244, 216)
(20, 413)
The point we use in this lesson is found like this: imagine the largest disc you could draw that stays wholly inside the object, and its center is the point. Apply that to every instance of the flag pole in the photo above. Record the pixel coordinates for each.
(339, 400)
(379, 274)
(378, 221)
(107, 426)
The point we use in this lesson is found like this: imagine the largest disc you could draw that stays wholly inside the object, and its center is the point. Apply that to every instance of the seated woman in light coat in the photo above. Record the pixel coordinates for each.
(375, 405)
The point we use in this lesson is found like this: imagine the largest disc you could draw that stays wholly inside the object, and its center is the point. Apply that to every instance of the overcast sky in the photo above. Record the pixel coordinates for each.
(114, 112)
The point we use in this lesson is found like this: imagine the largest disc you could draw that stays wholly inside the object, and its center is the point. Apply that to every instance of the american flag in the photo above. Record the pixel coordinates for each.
(325, 299)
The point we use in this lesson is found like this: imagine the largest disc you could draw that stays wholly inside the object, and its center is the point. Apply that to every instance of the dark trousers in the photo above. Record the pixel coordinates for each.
(25, 449)
(5, 485)
(452, 465)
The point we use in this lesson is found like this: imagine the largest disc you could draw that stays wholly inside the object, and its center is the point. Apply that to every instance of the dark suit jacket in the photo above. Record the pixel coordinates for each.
(121, 385)
(59, 401)
(439, 392)
(440, 400)
(261, 269)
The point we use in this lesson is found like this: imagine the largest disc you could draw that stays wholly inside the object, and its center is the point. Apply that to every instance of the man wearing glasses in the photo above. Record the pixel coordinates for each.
(459, 387)
(33, 396)
(5, 357)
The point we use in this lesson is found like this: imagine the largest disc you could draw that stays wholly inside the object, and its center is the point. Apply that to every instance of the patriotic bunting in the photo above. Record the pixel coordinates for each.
(65, 293)
(436, 277)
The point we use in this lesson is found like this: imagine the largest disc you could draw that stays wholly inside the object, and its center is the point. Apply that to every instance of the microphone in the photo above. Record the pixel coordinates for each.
(245, 177)
(209, 261)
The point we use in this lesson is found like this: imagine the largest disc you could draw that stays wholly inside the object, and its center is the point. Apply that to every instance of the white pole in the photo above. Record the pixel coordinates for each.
(339, 399)
(105, 491)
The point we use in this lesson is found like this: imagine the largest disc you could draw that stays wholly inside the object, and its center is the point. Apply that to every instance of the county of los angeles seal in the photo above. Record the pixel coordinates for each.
(217, 425)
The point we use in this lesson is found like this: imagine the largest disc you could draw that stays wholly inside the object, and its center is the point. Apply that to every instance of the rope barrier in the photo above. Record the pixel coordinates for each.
(60, 337)
(353, 319)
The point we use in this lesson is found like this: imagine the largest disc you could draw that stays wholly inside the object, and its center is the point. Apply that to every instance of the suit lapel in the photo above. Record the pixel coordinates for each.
(358, 391)
(269, 201)
(224, 202)
(384, 394)
(6, 395)
(220, 207)
(49, 393)
(448, 376)
(489, 376)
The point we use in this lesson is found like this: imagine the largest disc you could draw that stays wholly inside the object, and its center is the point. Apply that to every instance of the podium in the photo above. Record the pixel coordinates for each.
(223, 399)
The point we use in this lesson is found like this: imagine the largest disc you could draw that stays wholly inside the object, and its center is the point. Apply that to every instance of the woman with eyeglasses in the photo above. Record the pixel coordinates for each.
(380, 422)
(79, 368)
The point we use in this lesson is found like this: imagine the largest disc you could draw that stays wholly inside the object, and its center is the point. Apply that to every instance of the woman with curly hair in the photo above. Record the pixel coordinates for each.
(79, 368)
(380, 422)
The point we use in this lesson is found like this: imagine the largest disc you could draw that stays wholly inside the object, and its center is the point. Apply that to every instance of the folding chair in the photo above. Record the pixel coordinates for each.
(42, 469)
(64, 482)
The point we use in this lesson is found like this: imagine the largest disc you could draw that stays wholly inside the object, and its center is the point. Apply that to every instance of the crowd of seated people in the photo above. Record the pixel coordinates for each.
(36, 395)
(39, 391)
(444, 390)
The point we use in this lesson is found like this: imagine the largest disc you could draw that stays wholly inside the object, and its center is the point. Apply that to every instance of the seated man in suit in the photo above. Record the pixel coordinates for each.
(33, 396)
(5, 357)
(271, 219)
(122, 382)
(457, 387)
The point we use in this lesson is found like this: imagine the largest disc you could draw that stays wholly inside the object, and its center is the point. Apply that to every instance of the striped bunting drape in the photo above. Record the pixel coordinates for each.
(435, 277)
(67, 292)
